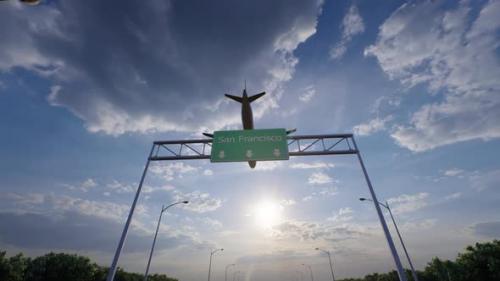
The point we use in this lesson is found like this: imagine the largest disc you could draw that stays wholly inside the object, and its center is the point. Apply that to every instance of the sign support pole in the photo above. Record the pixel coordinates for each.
(112, 269)
(401, 273)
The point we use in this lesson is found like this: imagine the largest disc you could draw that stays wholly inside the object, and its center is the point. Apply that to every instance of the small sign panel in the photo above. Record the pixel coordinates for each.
(247, 145)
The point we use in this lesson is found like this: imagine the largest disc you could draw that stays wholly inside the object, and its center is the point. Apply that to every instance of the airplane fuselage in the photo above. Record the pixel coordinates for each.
(246, 113)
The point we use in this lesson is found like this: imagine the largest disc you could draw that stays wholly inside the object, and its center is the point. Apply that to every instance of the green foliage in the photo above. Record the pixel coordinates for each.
(480, 262)
(62, 267)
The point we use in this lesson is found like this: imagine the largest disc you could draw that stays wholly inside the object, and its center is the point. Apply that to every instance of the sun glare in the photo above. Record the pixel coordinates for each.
(267, 213)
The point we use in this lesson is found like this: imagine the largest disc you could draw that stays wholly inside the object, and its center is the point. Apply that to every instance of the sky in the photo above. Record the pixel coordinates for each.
(87, 86)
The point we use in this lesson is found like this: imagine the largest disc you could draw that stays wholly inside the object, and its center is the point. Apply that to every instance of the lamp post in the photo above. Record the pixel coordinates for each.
(330, 260)
(390, 242)
(310, 270)
(227, 266)
(210, 264)
(163, 209)
(386, 205)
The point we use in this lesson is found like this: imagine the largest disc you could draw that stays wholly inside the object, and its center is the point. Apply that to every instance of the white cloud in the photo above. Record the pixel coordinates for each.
(151, 189)
(268, 165)
(307, 198)
(419, 225)
(56, 204)
(313, 165)
(408, 203)
(171, 170)
(88, 184)
(208, 172)
(373, 126)
(352, 24)
(199, 202)
(323, 192)
(287, 202)
(211, 222)
(453, 172)
(319, 178)
(485, 179)
(342, 215)
(316, 231)
(164, 78)
(456, 55)
(308, 94)
(84, 186)
(119, 187)
(453, 196)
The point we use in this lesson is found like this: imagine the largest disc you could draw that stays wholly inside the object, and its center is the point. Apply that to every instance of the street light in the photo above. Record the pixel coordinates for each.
(210, 264)
(163, 209)
(310, 270)
(329, 259)
(386, 205)
(225, 274)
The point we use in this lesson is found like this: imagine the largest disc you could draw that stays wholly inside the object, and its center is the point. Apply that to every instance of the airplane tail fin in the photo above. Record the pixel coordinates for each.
(254, 97)
(235, 98)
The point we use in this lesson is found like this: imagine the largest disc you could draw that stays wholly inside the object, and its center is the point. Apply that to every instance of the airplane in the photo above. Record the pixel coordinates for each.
(246, 115)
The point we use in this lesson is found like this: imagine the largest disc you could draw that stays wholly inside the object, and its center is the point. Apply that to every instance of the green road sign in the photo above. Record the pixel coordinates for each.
(246, 145)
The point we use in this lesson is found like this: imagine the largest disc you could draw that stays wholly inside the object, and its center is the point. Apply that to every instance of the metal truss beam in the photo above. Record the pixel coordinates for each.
(304, 145)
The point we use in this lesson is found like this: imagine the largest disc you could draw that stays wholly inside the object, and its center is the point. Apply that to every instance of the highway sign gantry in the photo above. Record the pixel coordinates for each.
(249, 145)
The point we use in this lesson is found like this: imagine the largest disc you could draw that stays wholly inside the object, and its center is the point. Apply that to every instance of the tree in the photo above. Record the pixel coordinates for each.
(13, 268)
(60, 267)
(480, 262)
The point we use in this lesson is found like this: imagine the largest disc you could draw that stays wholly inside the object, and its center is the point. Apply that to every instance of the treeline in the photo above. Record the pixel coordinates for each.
(62, 267)
(480, 262)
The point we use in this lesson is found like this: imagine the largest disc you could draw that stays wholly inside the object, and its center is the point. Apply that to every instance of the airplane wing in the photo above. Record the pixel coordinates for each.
(254, 97)
(238, 99)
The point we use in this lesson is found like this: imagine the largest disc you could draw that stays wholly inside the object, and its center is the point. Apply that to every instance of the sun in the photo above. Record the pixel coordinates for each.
(267, 213)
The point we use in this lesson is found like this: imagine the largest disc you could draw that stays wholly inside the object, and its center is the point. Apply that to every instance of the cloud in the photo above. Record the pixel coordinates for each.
(321, 193)
(171, 170)
(319, 178)
(373, 126)
(308, 94)
(51, 222)
(487, 229)
(287, 202)
(456, 56)
(199, 202)
(314, 231)
(453, 196)
(484, 180)
(150, 189)
(208, 172)
(268, 165)
(342, 215)
(75, 231)
(84, 186)
(352, 24)
(453, 172)
(157, 66)
(313, 165)
(408, 203)
(119, 187)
